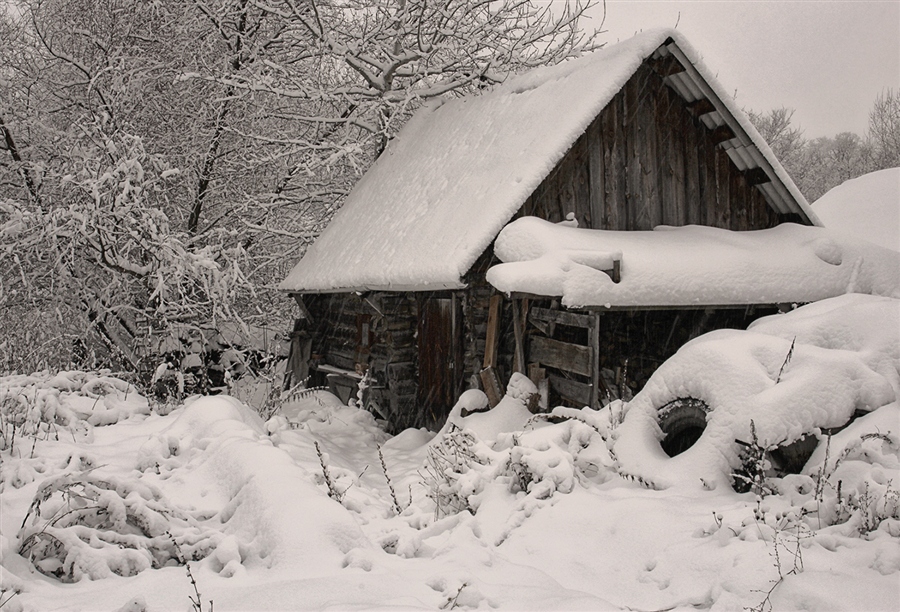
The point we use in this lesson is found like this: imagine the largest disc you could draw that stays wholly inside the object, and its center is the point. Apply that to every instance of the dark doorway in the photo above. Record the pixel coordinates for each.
(440, 357)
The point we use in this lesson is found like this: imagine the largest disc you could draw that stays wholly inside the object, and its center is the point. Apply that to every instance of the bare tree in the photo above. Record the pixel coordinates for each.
(170, 160)
(884, 129)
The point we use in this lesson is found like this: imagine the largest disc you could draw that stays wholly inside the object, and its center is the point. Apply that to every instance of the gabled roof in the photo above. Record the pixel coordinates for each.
(461, 169)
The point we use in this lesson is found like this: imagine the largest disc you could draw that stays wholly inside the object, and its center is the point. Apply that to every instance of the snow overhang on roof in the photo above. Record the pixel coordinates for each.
(461, 169)
(688, 266)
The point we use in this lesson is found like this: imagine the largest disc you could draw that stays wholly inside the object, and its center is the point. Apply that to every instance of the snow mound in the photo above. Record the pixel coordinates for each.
(866, 207)
(273, 511)
(786, 374)
(65, 398)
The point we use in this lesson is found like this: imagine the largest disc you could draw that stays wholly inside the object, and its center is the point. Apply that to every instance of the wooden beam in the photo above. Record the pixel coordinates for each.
(666, 66)
(721, 134)
(701, 107)
(561, 355)
(304, 312)
(756, 176)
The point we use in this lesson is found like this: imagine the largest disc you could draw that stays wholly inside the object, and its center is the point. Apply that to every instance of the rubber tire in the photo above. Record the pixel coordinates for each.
(682, 421)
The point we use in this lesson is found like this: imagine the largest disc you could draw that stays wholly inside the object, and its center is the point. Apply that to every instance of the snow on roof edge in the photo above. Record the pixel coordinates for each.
(690, 265)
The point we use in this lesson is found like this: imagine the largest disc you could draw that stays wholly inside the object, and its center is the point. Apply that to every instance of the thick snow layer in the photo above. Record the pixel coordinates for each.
(692, 265)
(866, 207)
(459, 171)
(791, 374)
(545, 521)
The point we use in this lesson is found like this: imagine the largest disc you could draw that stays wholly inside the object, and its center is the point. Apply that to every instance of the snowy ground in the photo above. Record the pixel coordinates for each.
(497, 511)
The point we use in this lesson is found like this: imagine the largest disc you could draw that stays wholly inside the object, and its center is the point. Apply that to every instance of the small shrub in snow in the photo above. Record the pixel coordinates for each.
(787, 537)
(445, 465)
(752, 473)
(84, 526)
(333, 492)
(395, 504)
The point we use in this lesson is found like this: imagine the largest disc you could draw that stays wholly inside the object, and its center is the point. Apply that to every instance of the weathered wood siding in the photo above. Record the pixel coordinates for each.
(647, 160)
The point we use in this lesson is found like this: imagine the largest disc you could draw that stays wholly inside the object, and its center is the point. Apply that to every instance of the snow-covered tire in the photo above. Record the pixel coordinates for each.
(682, 421)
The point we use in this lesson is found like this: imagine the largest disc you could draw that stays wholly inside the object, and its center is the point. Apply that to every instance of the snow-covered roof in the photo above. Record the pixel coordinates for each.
(689, 266)
(866, 207)
(461, 169)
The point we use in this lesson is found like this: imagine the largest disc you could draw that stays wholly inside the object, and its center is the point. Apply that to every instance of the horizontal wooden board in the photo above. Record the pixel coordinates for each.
(562, 317)
(561, 355)
(571, 390)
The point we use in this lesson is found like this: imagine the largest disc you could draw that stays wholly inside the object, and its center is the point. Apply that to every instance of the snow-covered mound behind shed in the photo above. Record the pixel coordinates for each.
(866, 207)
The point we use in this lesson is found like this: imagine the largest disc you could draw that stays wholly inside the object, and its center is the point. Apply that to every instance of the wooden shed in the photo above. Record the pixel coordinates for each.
(627, 138)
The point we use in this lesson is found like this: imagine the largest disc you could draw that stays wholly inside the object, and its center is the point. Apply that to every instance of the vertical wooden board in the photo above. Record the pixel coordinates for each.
(745, 197)
(596, 175)
(565, 178)
(664, 174)
(582, 182)
(723, 190)
(612, 164)
(518, 316)
(649, 154)
(595, 363)
(633, 201)
(621, 162)
(693, 157)
(707, 176)
(492, 338)
(676, 159)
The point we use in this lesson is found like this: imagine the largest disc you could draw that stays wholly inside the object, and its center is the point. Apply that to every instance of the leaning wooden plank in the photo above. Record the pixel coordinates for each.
(490, 380)
(562, 355)
(492, 339)
(578, 393)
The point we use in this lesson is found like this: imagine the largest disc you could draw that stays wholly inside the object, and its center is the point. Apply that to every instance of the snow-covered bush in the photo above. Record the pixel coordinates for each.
(534, 458)
(44, 405)
(447, 474)
(87, 526)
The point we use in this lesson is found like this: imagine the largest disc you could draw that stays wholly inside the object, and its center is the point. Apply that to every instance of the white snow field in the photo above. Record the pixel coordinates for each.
(865, 207)
(103, 493)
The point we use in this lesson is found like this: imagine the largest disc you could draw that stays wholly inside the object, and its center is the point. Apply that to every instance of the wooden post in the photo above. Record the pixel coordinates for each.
(490, 381)
(492, 337)
(538, 376)
(595, 362)
(519, 332)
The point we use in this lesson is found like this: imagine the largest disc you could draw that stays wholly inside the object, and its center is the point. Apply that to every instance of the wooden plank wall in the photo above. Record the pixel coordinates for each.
(647, 160)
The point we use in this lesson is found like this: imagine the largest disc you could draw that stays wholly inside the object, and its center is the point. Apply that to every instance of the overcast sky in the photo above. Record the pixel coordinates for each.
(828, 60)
